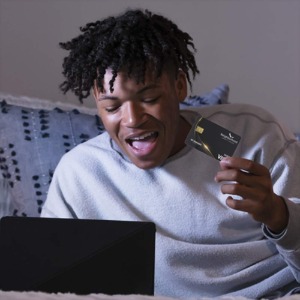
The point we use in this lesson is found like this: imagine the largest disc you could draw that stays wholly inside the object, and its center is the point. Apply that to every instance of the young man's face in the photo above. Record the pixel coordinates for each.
(143, 119)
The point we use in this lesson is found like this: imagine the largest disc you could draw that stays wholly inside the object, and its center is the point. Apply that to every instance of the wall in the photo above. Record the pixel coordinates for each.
(254, 46)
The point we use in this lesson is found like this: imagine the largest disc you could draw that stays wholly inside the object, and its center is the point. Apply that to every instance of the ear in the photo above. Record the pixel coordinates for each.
(181, 86)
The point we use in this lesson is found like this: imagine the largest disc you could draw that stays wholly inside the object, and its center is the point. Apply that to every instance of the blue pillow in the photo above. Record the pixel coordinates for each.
(218, 95)
(32, 142)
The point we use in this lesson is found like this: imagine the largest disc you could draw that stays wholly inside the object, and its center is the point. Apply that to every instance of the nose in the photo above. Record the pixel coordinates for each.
(132, 114)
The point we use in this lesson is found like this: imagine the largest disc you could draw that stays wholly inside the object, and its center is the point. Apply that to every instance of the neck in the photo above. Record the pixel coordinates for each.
(183, 130)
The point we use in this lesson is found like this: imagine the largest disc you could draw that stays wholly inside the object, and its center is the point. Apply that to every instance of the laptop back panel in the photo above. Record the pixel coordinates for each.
(77, 256)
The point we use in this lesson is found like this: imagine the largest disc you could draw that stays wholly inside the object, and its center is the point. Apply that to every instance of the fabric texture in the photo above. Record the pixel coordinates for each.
(69, 296)
(31, 144)
(35, 133)
(196, 232)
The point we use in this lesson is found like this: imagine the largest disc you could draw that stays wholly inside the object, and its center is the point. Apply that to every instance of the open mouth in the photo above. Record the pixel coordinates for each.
(143, 142)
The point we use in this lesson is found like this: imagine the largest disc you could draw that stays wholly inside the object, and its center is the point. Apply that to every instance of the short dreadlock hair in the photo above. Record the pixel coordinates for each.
(132, 42)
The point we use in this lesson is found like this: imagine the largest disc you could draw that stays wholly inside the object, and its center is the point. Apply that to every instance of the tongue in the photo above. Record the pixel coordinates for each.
(143, 144)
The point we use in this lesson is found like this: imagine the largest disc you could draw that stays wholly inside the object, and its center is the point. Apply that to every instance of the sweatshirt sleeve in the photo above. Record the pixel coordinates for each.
(285, 174)
(288, 244)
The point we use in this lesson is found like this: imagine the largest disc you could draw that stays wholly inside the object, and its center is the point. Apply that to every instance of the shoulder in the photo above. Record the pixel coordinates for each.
(97, 148)
(236, 110)
(263, 137)
(245, 118)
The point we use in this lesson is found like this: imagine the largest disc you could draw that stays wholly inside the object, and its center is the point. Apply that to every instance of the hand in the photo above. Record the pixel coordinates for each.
(253, 183)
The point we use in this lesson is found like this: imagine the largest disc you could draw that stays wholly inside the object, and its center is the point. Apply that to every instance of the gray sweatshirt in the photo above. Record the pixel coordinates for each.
(203, 248)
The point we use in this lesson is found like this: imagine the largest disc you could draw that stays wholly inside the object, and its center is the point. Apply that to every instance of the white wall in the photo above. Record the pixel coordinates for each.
(253, 45)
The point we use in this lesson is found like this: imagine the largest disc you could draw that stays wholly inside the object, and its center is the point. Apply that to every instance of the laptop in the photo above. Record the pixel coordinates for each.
(77, 256)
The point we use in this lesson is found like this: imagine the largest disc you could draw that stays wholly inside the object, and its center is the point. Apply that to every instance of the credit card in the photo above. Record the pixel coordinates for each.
(212, 139)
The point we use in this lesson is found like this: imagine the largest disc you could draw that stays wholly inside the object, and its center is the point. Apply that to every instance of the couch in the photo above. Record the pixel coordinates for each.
(34, 134)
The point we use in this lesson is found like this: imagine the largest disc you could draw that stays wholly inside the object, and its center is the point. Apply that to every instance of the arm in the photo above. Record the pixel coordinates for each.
(278, 213)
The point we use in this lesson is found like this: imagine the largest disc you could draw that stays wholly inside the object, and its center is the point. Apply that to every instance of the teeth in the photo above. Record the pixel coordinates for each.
(138, 138)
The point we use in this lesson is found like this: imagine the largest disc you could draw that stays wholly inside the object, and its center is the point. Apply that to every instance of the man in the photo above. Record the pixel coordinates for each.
(223, 228)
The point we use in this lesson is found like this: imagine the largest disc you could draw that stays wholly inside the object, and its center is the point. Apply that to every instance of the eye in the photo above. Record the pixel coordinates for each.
(111, 109)
(150, 100)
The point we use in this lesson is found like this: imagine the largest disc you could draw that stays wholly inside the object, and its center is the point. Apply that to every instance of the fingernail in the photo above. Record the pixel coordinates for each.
(225, 159)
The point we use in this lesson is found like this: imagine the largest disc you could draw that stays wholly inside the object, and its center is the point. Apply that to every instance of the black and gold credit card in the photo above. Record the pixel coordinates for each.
(212, 139)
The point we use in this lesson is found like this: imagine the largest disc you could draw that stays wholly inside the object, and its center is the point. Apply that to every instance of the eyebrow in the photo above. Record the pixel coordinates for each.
(107, 97)
(142, 90)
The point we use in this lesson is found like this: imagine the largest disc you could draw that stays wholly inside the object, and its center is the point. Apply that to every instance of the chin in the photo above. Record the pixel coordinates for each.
(146, 165)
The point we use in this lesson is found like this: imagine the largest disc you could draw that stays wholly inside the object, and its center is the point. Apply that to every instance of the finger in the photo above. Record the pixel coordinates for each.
(243, 164)
(234, 175)
(256, 196)
(240, 205)
(242, 191)
(254, 208)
